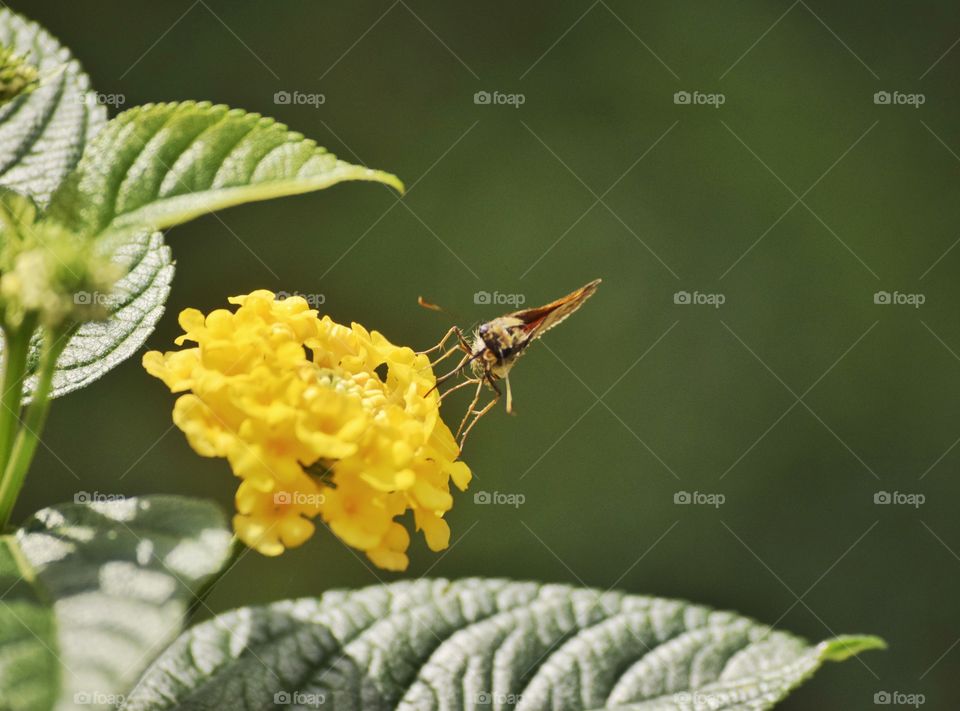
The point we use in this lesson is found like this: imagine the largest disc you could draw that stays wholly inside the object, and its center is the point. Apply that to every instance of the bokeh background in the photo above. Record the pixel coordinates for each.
(797, 400)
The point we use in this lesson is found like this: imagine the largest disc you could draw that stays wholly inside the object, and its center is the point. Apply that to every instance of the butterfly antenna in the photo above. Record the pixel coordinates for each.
(423, 303)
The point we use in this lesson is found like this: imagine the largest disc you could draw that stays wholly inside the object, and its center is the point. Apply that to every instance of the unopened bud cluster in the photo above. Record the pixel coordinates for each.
(17, 76)
(42, 268)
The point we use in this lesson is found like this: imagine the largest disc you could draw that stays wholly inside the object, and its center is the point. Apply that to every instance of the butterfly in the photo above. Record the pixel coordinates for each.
(496, 347)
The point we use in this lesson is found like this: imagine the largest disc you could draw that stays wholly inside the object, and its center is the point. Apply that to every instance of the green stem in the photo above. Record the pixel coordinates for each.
(25, 445)
(17, 347)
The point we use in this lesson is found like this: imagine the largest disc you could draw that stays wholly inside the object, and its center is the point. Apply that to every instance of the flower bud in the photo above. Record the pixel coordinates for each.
(50, 272)
(16, 75)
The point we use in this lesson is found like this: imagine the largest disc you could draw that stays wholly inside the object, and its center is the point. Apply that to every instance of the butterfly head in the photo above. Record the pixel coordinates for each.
(497, 344)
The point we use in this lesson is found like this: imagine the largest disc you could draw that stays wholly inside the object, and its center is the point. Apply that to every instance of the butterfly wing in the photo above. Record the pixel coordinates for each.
(538, 321)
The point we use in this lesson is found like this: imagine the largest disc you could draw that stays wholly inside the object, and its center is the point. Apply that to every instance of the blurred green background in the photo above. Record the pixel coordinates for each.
(799, 399)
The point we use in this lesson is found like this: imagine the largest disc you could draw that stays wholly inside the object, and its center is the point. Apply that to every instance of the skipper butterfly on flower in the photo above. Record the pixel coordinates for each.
(496, 347)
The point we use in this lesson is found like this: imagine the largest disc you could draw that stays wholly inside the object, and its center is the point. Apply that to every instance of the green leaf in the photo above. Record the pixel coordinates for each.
(29, 671)
(135, 307)
(160, 165)
(43, 133)
(42, 137)
(157, 166)
(480, 644)
(100, 588)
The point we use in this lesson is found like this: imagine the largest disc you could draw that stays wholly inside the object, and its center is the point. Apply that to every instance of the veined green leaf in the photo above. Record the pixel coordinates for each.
(157, 166)
(482, 644)
(43, 133)
(29, 670)
(95, 591)
(160, 165)
(135, 306)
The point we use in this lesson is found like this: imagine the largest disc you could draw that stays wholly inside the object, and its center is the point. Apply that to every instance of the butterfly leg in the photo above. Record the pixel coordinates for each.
(509, 397)
(473, 404)
(464, 343)
(442, 343)
(477, 416)
(449, 352)
(446, 376)
(462, 346)
(458, 386)
(489, 380)
(463, 361)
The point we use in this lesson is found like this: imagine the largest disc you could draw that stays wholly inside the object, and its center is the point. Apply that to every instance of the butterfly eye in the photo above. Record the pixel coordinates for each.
(483, 329)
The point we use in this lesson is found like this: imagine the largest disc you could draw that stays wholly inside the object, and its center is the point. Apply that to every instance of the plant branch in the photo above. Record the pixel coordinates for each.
(27, 439)
(17, 347)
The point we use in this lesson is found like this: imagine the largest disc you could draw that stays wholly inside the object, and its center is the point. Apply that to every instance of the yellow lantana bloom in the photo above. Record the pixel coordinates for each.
(296, 404)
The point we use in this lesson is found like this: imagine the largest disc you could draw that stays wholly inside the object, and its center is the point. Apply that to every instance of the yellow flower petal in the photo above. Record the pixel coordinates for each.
(435, 529)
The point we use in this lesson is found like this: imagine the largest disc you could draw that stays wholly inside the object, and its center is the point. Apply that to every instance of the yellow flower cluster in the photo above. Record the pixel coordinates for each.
(297, 405)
